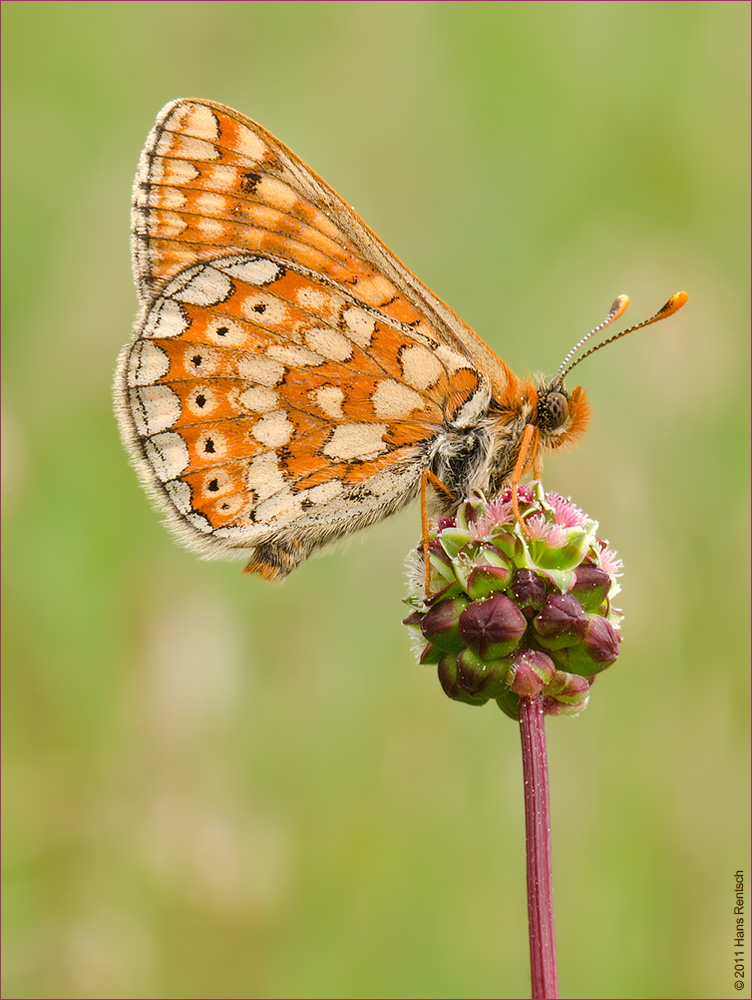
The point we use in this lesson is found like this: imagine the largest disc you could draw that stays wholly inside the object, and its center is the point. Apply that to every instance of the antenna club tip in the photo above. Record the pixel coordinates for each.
(674, 304)
(620, 304)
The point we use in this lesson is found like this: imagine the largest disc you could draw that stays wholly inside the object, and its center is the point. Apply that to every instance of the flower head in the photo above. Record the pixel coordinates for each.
(517, 608)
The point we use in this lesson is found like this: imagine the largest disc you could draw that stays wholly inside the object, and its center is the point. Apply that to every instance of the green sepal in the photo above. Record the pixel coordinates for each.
(453, 540)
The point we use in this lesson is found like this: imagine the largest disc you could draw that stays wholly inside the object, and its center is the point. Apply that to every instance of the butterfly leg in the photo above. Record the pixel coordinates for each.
(528, 445)
(425, 479)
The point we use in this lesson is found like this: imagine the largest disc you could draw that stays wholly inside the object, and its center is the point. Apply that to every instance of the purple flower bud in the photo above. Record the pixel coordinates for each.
(566, 694)
(598, 650)
(530, 673)
(591, 586)
(561, 622)
(528, 591)
(602, 640)
(440, 624)
(451, 685)
(481, 677)
(493, 627)
(569, 688)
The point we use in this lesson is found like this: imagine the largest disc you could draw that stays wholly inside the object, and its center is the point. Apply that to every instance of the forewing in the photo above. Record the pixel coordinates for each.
(288, 375)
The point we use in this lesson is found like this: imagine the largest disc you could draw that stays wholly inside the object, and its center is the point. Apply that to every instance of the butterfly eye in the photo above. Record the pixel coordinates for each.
(553, 410)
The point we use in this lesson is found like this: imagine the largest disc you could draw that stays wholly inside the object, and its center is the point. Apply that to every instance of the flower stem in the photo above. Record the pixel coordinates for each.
(538, 847)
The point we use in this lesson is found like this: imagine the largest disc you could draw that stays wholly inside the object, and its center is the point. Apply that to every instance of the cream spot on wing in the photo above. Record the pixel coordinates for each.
(221, 177)
(187, 147)
(329, 398)
(167, 197)
(259, 399)
(281, 509)
(201, 286)
(264, 476)
(392, 399)
(232, 506)
(274, 429)
(178, 172)
(474, 407)
(196, 120)
(360, 325)
(200, 361)
(311, 298)
(420, 367)
(180, 494)
(168, 224)
(155, 408)
(451, 359)
(201, 401)
(264, 310)
(215, 483)
(248, 144)
(168, 454)
(375, 289)
(330, 343)
(200, 523)
(211, 230)
(324, 493)
(274, 192)
(355, 441)
(213, 443)
(211, 203)
(166, 319)
(147, 363)
(162, 147)
(262, 371)
(253, 270)
(297, 357)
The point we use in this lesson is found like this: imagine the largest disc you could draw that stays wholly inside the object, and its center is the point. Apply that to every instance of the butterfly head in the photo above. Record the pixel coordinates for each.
(560, 416)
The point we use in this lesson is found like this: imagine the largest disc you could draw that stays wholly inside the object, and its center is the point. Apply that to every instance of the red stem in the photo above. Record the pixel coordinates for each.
(538, 845)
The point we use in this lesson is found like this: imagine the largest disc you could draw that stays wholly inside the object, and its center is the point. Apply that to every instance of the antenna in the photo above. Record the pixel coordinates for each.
(673, 305)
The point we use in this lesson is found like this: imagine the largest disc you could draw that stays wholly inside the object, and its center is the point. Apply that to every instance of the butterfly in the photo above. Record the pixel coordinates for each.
(289, 380)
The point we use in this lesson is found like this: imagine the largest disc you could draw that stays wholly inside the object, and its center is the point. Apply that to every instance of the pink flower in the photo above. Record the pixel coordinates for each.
(480, 529)
(565, 511)
(499, 511)
(536, 528)
(611, 563)
(539, 529)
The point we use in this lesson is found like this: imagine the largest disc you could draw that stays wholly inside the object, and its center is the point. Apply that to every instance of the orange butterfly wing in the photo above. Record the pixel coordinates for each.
(289, 380)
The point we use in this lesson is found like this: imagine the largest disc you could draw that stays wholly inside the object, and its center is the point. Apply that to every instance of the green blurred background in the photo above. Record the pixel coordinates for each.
(219, 788)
